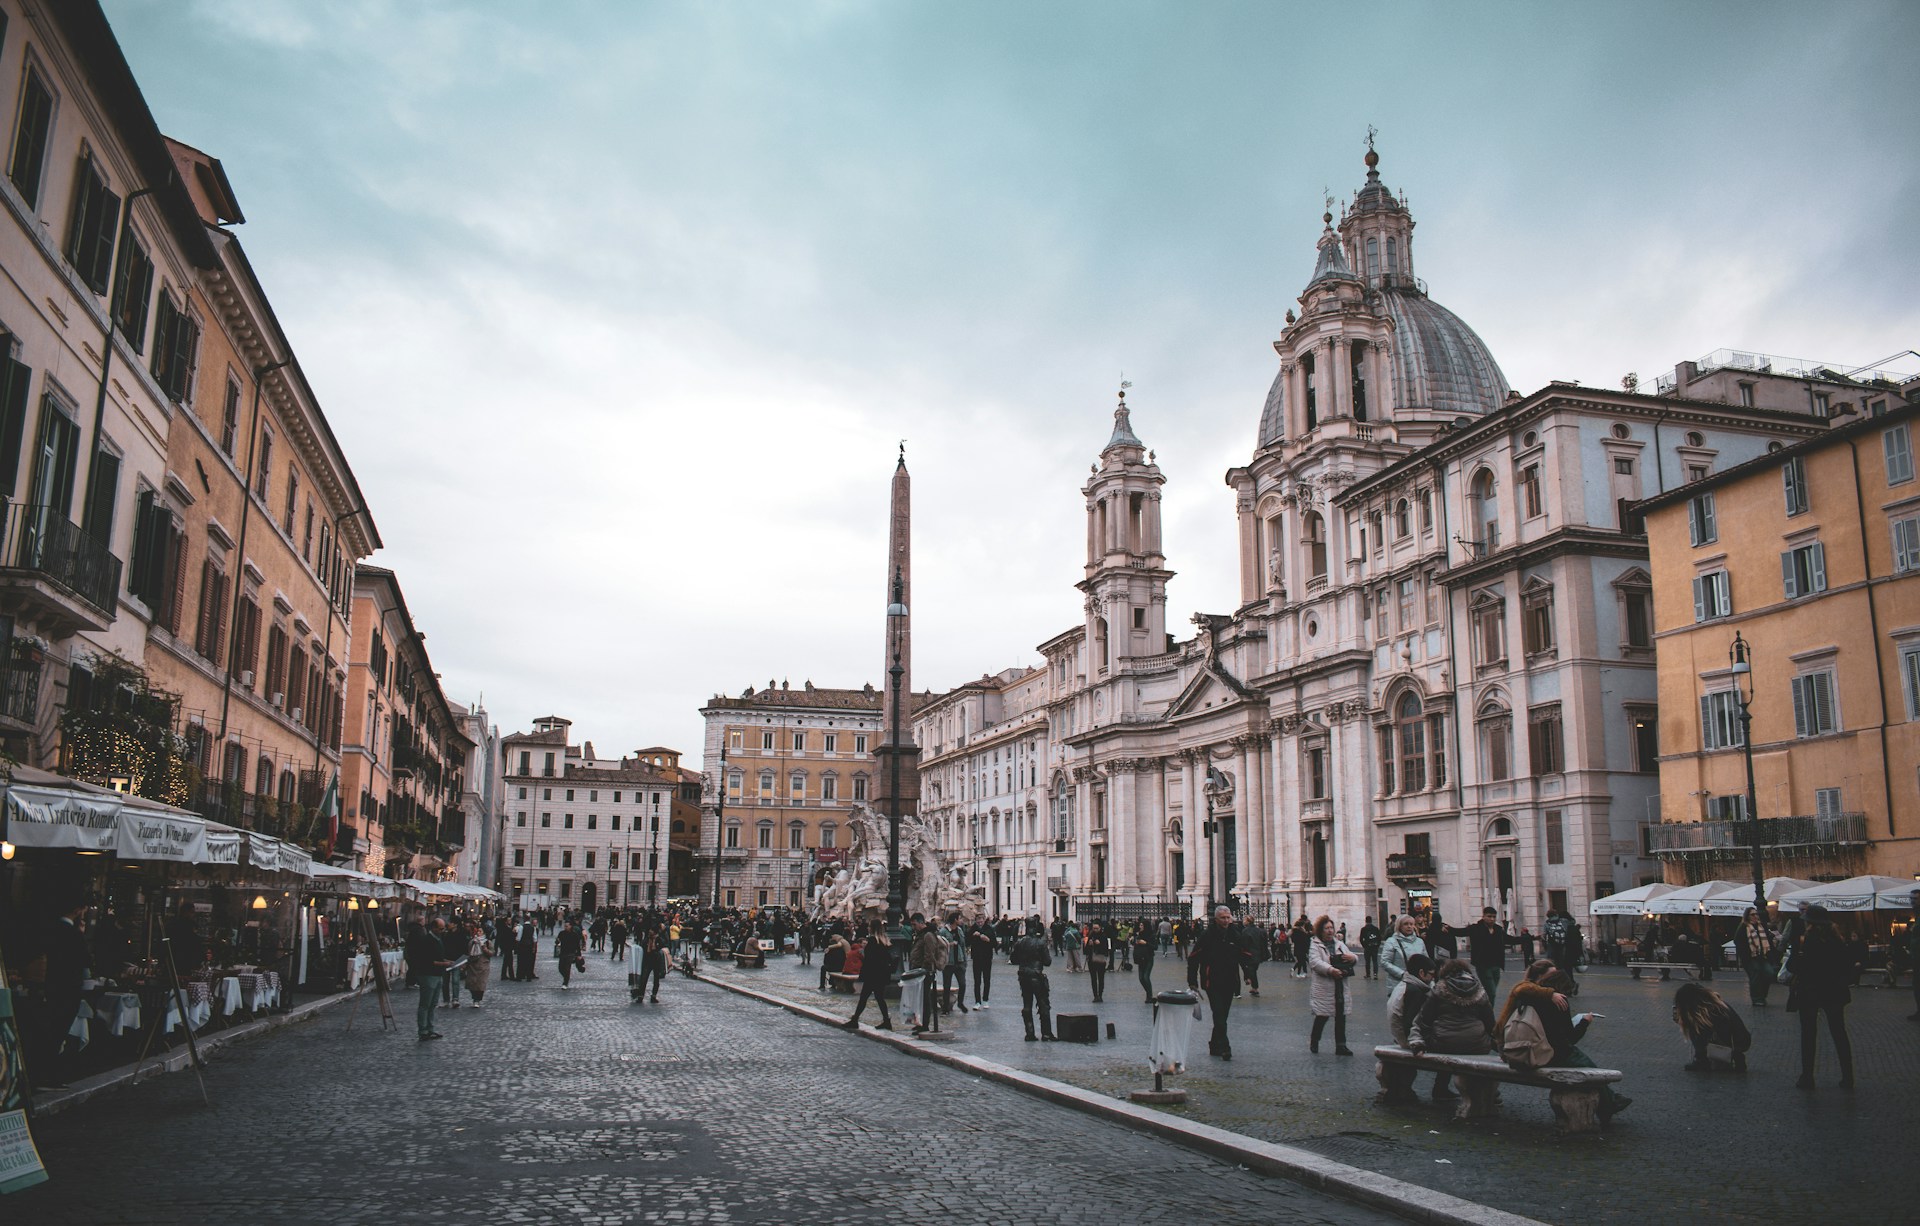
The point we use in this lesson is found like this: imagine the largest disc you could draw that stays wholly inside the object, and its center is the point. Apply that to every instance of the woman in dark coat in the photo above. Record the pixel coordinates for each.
(876, 972)
(1822, 969)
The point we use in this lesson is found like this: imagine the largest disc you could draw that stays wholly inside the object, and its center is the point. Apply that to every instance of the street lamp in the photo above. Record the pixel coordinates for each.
(1739, 654)
(653, 858)
(896, 893)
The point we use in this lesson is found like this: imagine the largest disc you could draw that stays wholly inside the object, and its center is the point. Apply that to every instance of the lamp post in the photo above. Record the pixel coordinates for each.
(1740, 655)
(719, 812)
(626, 871)
(896, 893)
(653, 858)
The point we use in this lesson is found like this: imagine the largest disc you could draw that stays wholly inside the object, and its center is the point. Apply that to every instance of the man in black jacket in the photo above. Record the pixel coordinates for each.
(427, 963)
(1032, 956)
(1214, 967)
(1486, 949)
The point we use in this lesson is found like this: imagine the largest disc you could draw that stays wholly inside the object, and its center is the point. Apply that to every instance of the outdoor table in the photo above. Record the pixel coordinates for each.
(358, 969)
(80, 1030)
(227, 990)
(260, 990)
(119, 1011)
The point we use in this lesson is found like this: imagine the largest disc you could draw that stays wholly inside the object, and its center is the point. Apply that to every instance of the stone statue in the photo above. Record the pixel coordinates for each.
(929, 885)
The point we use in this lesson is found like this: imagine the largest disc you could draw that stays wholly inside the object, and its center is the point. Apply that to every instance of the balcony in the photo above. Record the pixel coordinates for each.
(20, 687)
(53, 574)
(1728, 840)
(1407, 865)
(987, 851)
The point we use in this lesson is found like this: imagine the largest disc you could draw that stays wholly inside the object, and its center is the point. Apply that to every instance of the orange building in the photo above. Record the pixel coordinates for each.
(1811, 556)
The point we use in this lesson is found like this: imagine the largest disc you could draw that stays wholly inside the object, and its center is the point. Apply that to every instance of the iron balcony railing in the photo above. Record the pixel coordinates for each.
(1709, 838)
(20, 690)
(1409, 864)
(42, 541)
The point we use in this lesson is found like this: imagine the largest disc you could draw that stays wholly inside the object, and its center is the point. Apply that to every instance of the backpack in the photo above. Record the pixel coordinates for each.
(1524, 1044)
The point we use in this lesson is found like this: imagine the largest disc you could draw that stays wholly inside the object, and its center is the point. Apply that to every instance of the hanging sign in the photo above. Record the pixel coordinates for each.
(46, 817)
(223, 847)
(263, 853)
(150, 835)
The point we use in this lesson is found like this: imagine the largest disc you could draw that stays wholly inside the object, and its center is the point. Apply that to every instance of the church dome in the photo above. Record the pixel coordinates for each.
(1273, 420)
(1440, 363)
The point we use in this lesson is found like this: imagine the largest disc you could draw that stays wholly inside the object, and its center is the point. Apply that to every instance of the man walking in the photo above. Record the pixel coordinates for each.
(1486, 949)
(427, 963)
(1214, 968)
(1032, 957)
(504, 934)
(567, 948)
(1370, 941)
(980, 951)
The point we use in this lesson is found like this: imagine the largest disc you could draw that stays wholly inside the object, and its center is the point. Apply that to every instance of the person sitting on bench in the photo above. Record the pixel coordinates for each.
(1548, 996)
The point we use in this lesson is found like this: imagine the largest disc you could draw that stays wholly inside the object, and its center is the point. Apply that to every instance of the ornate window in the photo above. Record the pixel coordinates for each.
(1489, 615)
(1315, 539)
(1536, 626)
(1496, 742)
(1546, 748)
(1483, 513)
(1402, 519)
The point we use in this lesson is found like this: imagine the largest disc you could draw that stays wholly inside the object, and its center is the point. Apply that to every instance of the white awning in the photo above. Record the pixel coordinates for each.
(1629, 902)
(66, 813)
(1853, 894)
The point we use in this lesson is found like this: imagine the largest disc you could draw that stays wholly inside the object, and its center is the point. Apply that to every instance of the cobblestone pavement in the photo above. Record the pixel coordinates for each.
(578, 1106)
(1715, 1147)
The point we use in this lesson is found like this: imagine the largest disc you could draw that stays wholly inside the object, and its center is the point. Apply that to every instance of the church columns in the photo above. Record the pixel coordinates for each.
(1283, 763)
(1251, 564)
(1252, 825)
(1351, 744)
(1200, 855)
(1123, 823)
(1336, 406)
(1158, 855)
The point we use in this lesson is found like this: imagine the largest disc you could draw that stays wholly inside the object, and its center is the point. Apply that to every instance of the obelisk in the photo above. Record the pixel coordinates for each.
(898, 758)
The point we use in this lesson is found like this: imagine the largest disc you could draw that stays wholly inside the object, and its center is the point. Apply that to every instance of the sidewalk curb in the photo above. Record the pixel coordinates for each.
(180, 1058)
(1351, 1183)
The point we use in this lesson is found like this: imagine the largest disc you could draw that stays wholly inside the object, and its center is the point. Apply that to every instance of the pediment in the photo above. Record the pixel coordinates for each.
(1211, 687)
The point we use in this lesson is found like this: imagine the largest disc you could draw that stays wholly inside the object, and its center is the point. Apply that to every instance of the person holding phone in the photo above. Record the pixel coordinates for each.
(1547, 988)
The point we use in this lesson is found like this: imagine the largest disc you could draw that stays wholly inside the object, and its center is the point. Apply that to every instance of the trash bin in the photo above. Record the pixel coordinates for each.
(913, 986)
(1172, 1019)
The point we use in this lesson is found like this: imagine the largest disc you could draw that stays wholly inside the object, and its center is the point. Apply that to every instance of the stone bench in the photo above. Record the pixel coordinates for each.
(1666, 969)
(1574, 1093)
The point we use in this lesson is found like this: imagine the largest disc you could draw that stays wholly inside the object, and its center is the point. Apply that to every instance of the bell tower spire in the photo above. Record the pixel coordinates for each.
(1126, 571)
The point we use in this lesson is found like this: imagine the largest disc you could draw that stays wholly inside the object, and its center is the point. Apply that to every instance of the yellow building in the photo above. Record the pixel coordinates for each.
(404, 758)
(247, 552)
(1811, 556)
(785, 766)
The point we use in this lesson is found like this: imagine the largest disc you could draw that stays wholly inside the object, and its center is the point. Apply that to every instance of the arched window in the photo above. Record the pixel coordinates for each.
(1496, 742)
(1483, 513)
(1501, 829)
(1402, 519)
(1410, 730)
(1315, 540)
(286, 787)
(1373, 258)
(263, 777)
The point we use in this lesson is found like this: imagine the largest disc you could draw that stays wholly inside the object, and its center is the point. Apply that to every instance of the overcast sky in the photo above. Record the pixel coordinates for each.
(619, 310)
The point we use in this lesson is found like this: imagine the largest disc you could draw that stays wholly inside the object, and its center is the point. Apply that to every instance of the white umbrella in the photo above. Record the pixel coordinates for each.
(1629, 902)
(1900, 898)
(1694, 899)
(1853, 894)
(1774, 887)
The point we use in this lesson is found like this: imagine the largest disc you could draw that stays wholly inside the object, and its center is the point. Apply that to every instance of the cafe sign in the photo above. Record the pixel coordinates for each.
(147, 835)
(44, 817)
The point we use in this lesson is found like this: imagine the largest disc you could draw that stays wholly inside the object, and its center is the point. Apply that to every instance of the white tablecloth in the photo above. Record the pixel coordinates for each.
(226, 992)
(119, 1012)
(360, 970)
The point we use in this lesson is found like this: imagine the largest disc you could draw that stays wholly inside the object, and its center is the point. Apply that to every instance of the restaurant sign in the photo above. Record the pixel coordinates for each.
(20, 1165)
(44, 817)
(223, 847)
(148, 835)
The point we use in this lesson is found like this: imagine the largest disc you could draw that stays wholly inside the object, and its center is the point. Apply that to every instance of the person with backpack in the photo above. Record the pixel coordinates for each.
(1539, 1029)
(1032, 957)
(953, 977)
(1370, 942)
(1253, 951)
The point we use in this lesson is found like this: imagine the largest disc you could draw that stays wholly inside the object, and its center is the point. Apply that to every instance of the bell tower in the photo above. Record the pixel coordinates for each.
(1126, 573)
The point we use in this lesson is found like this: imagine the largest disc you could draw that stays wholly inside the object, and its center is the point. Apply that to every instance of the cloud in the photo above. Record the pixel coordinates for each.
(620, 311)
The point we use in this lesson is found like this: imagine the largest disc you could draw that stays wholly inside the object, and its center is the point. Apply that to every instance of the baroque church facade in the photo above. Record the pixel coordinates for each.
(1438, 688)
